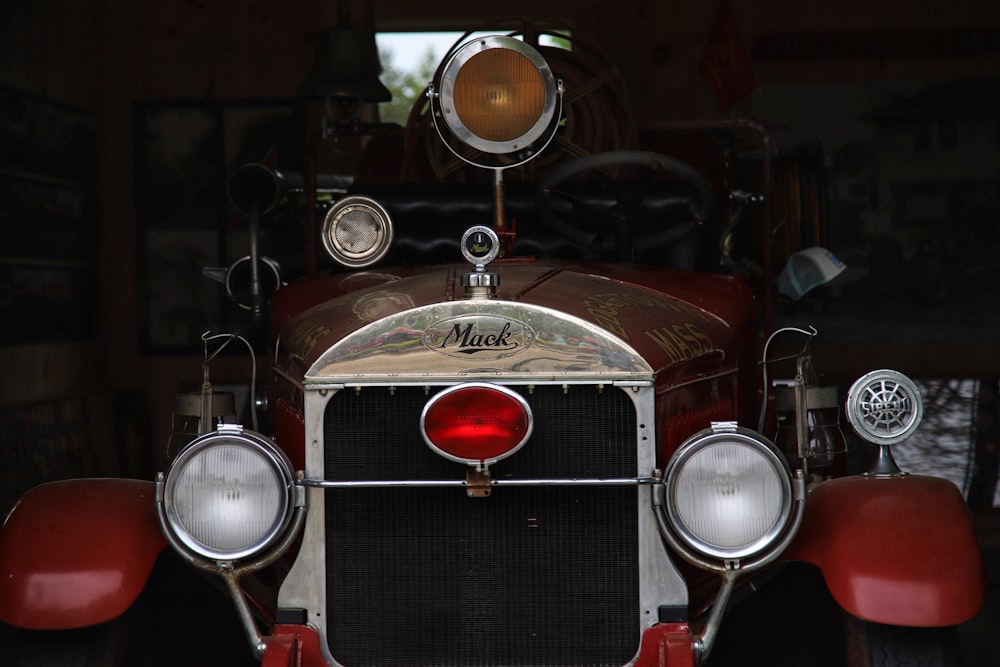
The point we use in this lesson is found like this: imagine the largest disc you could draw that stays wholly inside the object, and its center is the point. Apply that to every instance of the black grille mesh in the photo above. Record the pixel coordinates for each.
(529, 576)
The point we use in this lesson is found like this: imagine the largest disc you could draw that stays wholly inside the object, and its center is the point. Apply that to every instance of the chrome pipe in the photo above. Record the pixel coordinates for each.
(376, 484)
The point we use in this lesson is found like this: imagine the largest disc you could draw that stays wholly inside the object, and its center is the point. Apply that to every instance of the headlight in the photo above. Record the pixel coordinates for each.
(729, 493)
(228, 495)
(498, 95)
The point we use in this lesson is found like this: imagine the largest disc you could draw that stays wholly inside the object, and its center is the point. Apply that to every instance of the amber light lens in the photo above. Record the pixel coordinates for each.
(476, 423)
(499, 95)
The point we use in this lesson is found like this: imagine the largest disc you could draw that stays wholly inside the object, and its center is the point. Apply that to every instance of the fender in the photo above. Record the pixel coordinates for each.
(77, 552)
(898, 551)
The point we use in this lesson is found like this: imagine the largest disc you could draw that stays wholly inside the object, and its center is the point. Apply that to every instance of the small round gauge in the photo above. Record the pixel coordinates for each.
(480, 245)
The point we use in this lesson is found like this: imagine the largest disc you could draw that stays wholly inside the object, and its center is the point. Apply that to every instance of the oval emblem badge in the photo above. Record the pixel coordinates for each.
(479, 337)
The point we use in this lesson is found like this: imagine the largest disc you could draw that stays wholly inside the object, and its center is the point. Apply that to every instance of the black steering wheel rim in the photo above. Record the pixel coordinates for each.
(549, 186)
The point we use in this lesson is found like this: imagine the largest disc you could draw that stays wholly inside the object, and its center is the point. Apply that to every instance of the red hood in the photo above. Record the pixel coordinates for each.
(683, 324)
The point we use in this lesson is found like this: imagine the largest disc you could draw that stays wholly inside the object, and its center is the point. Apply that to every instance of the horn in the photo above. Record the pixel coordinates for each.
(255, 185)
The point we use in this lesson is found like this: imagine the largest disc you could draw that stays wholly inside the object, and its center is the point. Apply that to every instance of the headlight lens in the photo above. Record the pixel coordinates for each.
(228, 495)
(729, 493)
(498, 95)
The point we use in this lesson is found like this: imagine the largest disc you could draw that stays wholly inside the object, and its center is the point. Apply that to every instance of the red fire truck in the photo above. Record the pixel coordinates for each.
(518, 412)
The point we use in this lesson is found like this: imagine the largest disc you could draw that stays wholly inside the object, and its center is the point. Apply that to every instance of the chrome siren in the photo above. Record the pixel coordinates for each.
(884, 407)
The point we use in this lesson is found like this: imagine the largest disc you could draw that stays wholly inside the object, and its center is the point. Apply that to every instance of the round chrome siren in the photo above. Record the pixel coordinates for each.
(884, 407)
(476, 423)
(729, 494)
(498, 95)
(357, 232)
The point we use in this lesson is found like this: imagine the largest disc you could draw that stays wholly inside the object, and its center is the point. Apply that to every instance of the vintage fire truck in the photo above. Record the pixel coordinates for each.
(520, 415)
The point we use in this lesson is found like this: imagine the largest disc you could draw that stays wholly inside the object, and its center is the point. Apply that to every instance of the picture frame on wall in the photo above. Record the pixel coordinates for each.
(185, 152)
(48, 266)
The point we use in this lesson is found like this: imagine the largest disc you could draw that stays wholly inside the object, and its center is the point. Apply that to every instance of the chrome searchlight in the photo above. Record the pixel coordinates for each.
(499, 96)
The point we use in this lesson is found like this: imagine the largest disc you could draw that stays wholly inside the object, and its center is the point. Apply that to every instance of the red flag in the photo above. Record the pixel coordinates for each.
(726, 63)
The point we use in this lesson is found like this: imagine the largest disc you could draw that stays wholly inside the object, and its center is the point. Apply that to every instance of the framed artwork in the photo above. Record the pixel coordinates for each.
(185, 152)
(46, 138)
(48, 265)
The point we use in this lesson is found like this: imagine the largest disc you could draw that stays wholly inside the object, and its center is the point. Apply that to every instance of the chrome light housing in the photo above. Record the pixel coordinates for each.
(228, 496)
(497, 95)
(884, 407)
(357, 232)
(729, 494)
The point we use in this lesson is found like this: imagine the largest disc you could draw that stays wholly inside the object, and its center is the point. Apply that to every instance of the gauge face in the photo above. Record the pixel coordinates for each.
(480, 245)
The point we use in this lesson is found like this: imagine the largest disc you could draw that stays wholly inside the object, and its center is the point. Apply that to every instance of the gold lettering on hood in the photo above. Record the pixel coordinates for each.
(682, 341)
(605, 309)
(304, 337)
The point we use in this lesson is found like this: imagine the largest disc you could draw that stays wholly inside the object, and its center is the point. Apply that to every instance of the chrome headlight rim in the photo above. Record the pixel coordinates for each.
(765, 543)
(543, 125)
(274, 458)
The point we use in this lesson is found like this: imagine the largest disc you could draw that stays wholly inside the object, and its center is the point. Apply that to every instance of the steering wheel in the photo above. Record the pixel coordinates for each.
(618, 217)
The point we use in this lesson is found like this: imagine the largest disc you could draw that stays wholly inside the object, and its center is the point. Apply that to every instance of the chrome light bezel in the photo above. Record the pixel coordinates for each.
(774, 463)
(382, 229)
(173, 523)
(500, 389)
(461, 58)
(543, 127)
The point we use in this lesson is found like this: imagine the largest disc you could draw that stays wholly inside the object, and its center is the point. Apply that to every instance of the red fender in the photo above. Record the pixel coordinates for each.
(898, 551)
(77, 552)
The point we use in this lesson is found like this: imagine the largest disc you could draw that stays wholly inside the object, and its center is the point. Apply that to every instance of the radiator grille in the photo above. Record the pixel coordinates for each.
(529, 576)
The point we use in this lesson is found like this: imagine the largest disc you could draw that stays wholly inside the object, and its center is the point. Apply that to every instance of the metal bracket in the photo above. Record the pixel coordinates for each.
(478, 483)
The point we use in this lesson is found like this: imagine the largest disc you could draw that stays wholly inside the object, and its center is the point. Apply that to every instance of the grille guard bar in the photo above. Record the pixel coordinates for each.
(373, 484)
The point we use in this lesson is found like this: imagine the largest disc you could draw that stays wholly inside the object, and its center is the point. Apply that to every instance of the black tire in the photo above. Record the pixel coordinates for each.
(785, 619)
(875, 645)
(97, 646)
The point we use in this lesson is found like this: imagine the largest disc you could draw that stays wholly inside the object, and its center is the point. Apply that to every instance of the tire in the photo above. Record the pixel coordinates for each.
(97, 646)
(875, 645)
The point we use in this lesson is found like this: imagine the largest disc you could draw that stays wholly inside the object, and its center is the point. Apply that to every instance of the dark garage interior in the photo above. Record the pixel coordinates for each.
(884, 129)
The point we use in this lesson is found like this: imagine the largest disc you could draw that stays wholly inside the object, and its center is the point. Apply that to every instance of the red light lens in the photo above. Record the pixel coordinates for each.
(476, 423)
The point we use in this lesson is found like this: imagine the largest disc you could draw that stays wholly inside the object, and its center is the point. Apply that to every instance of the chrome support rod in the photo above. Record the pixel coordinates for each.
(706, 639)
(258, 644)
